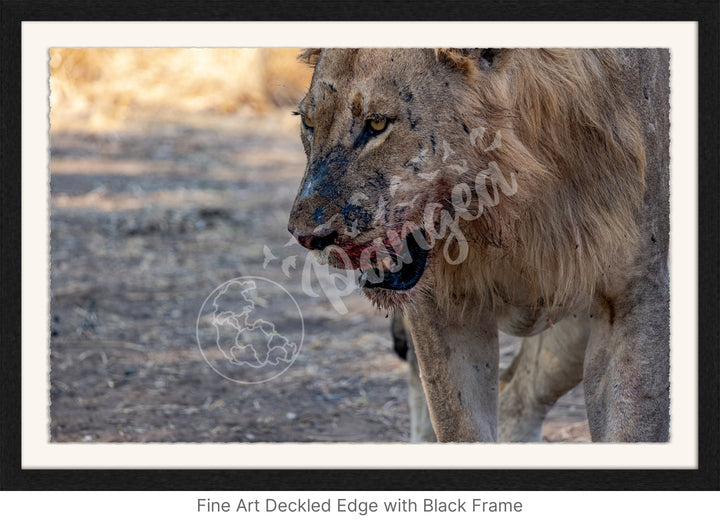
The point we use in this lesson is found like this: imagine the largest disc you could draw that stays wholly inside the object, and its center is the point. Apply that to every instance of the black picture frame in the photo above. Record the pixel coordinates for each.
(705, 477)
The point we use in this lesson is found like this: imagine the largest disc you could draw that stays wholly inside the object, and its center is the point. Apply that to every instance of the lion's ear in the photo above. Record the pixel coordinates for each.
(310, 56)
(489, 57)
(468, 60)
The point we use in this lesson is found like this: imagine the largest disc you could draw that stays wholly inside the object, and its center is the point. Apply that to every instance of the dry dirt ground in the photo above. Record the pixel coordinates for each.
(146, 222)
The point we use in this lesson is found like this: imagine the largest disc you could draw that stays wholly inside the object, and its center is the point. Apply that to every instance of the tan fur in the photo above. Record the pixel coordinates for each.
(540, 180)
(575, 145)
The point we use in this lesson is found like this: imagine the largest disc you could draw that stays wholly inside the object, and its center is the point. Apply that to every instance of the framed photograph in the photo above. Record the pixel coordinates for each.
(166, 169)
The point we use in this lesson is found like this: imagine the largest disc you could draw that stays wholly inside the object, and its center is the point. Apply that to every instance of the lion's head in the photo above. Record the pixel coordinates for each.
(424, 163)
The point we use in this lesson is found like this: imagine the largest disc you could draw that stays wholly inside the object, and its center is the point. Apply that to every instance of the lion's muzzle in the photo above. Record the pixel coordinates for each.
(321, 212)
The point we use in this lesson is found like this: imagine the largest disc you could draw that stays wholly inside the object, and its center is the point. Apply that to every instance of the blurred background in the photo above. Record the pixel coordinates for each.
(106, 88)
(173, 172)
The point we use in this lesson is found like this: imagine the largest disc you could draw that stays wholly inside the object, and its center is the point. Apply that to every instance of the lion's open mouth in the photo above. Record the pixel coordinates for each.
(400, 271)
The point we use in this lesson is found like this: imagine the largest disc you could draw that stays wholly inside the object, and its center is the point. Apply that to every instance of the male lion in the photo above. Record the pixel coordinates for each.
(478, 190)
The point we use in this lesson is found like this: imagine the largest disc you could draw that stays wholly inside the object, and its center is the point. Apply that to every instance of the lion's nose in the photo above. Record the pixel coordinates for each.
(316, 241)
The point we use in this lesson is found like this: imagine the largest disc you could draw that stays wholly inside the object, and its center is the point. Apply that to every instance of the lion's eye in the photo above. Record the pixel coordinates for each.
(307, 122)
(377, 125)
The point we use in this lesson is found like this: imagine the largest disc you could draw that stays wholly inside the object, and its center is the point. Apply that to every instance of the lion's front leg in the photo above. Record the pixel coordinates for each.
(546, 367)
(421, 426)
(627, 365)
(458, 362)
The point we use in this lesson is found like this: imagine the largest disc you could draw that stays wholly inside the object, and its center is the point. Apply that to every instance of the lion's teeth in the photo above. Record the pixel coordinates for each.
(387, 263)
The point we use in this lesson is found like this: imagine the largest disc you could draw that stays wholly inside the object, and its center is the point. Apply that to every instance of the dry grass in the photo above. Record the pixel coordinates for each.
(106, 88)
